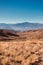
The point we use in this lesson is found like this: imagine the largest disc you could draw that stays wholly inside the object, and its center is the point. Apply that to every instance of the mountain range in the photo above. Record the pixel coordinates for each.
(21, 26)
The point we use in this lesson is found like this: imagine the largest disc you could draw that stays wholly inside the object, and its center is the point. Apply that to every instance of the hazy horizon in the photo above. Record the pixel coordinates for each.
(20, 22)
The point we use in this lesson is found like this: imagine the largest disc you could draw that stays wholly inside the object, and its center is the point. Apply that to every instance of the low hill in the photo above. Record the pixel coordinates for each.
(26, 35)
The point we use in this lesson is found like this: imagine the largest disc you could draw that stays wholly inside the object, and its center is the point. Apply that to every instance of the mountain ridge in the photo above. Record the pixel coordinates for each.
(21, 26)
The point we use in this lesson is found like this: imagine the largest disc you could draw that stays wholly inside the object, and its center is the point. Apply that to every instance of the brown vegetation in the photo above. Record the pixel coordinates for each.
(21, 48)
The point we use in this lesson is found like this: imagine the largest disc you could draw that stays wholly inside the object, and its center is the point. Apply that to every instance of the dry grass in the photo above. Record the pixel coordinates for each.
(22, 52)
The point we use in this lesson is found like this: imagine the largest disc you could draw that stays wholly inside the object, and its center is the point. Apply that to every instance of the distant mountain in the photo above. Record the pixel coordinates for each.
(21, 26)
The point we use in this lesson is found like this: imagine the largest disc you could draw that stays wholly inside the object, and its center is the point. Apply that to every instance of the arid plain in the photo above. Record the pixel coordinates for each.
(21, 48)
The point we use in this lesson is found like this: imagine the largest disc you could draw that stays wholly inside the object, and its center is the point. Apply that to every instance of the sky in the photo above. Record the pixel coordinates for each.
(18, 11)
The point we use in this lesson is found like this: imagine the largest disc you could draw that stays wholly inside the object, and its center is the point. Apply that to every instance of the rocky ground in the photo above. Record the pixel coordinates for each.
(21, 48)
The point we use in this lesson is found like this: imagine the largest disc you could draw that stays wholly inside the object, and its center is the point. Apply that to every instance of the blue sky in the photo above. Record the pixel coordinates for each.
(14, 11)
